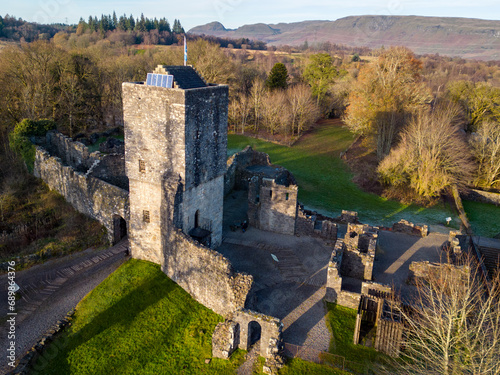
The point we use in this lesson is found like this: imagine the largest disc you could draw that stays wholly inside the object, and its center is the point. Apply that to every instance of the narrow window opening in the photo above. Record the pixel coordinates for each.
(270, 193)
(142, 166)
(145, 216)
(286, 196)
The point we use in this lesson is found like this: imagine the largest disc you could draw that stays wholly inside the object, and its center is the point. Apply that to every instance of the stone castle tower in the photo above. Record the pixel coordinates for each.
(175, 159)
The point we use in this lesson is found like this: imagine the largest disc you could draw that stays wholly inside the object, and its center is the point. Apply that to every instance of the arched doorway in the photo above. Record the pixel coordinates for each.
(254, 332)
(119, 228)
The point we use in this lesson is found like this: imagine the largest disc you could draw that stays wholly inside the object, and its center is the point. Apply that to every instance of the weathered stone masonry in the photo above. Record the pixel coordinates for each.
(175, 157)
(89, 195)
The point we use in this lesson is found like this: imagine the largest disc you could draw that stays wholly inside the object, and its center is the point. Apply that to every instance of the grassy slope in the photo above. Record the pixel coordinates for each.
(325, 181)
(137, 321)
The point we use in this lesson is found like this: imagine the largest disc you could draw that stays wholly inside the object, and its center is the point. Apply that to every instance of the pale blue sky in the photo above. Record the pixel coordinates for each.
(234, 13)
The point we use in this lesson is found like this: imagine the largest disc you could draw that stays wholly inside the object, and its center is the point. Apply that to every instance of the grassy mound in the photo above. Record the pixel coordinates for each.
(137, 321)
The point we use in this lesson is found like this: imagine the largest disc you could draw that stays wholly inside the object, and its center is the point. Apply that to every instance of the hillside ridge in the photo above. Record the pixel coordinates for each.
(452, 36)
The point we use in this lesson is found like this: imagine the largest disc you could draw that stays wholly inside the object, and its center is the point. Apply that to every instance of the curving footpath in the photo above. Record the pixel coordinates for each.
(49, 291)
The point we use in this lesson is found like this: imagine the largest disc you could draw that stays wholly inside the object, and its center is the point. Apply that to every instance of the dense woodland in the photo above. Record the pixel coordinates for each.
(445, 110)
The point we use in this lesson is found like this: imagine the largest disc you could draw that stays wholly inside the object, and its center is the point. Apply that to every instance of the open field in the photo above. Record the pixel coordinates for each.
(325, 181)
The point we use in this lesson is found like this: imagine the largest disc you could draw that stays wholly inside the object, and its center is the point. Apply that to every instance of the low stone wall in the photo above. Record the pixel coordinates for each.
(374, 289)
(204, 273)
(349, 217)
(236, 176)
(71, 153)
(405, 226)
(482, 196)
(349, 299)
(107, 167)
(310, 223)
(422, 270)
(225, 339)
(237, 332)
(333, 278)
(88, 195)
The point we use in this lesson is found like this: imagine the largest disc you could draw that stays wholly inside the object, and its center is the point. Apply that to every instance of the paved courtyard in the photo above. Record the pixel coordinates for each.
(290, 271)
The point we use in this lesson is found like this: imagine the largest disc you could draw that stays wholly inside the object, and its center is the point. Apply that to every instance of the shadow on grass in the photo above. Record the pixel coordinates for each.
(137, 321)
(122, 313)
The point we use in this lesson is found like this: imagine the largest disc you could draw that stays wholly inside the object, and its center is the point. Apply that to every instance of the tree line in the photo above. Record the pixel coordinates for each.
(426, 142)
(387, 97)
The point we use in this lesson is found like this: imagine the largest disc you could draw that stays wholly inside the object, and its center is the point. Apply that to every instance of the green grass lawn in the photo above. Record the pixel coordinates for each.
(297, 366)
(358, 358)
(484, 218)
(325, 180)
(137, 321)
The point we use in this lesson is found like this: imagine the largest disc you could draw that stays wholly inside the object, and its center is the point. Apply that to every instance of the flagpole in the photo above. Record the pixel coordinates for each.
(185, 51)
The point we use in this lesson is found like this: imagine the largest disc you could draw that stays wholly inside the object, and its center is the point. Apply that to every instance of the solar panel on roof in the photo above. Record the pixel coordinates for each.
(160, 80)
(164, 81)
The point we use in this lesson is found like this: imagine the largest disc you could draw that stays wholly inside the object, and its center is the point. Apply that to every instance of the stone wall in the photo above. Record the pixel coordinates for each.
(194, 204)
(271, 331)
(359, 251)
(274, 208)
(204, 273)
(225, 339)
(334, 278)
(88, 195)
(425, 269)
(237, 176)
(374, 289)
(405, 226)
(349, 217)
(106, 167)
(349, 299)
(311, 223)
(74, 154)
(482, 196)
(111, 168)
(236, 332)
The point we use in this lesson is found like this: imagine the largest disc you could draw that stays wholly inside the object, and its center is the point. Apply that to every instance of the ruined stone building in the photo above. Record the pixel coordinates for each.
(166, 193)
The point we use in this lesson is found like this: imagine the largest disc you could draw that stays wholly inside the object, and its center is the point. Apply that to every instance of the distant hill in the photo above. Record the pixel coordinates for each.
(464, 37)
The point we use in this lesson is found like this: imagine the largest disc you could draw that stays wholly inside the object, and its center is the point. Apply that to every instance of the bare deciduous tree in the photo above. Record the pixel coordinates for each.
(240, 109)
(431, 155)
(257, 93)
(275, 111)
(486, 149)
(454, 325)
(303, 110)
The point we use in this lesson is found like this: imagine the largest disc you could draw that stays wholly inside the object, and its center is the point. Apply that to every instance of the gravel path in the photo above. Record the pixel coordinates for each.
(50, 290)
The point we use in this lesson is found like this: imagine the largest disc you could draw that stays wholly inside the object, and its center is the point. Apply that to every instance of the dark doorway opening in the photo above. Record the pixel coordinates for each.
(197, 219)
(119, 229)
(254, 332)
